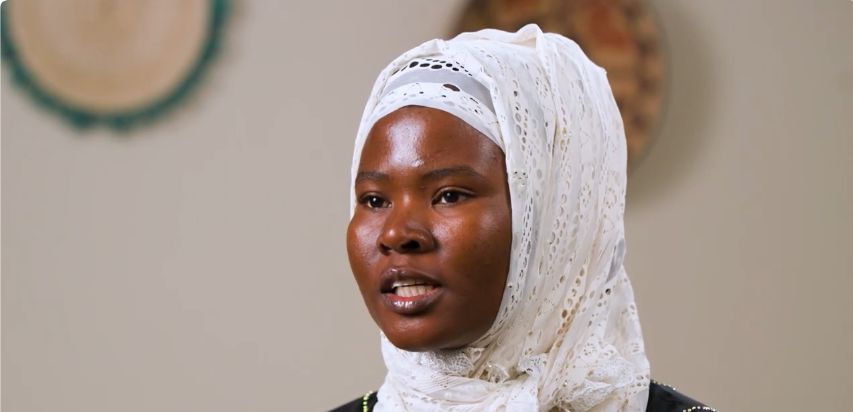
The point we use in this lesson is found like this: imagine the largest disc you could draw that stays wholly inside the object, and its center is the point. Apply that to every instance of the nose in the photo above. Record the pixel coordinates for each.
(405, 231)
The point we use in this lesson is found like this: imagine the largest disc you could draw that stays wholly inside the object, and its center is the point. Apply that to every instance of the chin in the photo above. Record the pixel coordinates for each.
(411, 335)
(413, 342)
(419, 335)
(412, 346)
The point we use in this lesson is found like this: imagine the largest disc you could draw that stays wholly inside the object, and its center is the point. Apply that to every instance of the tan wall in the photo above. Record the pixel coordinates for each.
(200, 265)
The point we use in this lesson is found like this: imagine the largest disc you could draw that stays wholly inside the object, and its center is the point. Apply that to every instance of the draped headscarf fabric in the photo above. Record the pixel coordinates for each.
(567, 336)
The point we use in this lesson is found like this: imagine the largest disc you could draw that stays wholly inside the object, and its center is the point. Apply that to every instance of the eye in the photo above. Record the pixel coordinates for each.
(450, 196)
(374, 202)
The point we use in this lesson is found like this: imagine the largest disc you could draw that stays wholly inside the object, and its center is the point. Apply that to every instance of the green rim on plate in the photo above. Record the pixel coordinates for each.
(82, 118)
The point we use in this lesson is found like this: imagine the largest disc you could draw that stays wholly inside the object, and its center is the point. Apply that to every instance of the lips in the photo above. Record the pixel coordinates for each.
(397, 278)
(408, 292)
(411, 288)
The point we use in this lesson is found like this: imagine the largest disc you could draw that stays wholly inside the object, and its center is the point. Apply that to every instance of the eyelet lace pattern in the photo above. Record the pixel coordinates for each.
(567, 336)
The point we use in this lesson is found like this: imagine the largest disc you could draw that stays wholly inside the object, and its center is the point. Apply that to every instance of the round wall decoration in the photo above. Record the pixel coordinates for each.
(117, 63)
(622, 36)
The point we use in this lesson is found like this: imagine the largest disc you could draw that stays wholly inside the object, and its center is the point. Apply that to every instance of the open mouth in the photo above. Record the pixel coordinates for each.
(411, 288)
(410, 293)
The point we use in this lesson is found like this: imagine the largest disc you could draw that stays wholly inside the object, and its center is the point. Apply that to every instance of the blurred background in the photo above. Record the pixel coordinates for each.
(197, 262)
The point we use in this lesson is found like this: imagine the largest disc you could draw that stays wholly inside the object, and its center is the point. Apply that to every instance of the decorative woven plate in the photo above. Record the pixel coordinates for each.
(622, 36)
(109, 61)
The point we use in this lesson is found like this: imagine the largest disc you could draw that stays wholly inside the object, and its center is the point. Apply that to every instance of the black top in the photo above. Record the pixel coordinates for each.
(662, 398)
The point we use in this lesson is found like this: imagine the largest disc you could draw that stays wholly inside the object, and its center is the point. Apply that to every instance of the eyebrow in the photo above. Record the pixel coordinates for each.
(371, 176)
(432, 175)
(462, 171)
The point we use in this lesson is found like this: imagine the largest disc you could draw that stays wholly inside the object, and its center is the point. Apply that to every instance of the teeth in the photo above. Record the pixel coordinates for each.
(412, 291)
(400, 283)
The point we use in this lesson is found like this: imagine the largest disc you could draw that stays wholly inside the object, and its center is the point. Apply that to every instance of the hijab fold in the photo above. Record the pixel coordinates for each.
(567, 336)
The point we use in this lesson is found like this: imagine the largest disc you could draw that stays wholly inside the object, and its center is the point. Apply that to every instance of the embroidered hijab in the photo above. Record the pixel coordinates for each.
(567, 336)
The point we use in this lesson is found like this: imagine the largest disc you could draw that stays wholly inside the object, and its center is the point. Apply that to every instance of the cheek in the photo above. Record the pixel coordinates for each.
(478, 246)
(361, 246)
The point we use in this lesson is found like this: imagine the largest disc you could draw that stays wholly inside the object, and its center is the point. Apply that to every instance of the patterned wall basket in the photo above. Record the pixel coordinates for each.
(118, 63)
(623, 36)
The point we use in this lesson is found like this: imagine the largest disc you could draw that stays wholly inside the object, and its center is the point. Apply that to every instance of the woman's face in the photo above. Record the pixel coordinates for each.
(429, 243)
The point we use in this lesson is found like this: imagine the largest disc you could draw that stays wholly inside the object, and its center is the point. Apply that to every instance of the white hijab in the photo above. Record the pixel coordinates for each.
(567, 336)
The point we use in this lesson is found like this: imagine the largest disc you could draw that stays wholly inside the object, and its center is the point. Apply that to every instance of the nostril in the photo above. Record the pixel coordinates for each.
(411, 245)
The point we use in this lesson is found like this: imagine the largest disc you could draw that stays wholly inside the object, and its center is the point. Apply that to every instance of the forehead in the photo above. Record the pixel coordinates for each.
(415, 137)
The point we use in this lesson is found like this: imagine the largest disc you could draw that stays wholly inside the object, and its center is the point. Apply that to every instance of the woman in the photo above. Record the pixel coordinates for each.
(487, 232)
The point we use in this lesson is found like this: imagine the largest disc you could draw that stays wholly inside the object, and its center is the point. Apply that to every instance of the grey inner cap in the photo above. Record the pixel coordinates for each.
(461, 80)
